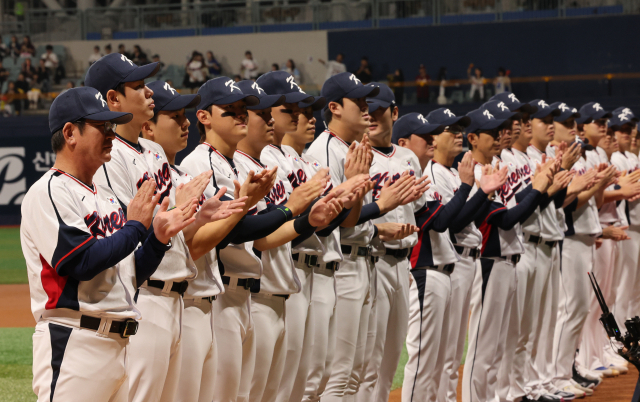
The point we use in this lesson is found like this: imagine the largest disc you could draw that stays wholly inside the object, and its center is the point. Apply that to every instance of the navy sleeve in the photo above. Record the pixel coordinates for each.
(520, 196)
(559, 198)
(368, 212)
(452, 208)
(148, 257)
(427, 214)
(545, 201)
(508, 217)
(302, 226)
(334, 223)
(468, 212)
(254, 227)
(104, 253)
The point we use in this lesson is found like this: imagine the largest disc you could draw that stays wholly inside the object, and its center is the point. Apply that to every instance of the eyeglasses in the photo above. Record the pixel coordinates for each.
(455, 131)
(108, 126)
(601, 122)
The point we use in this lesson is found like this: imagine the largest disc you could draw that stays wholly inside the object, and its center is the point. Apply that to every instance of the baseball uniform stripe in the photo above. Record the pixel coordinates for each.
(59, 339)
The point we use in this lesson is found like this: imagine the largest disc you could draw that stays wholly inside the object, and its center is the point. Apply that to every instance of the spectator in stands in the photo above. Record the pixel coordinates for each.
(163, 68)
(275, 67)
(249, 67)
(122, 50)
(27, 49)
(139, 57)
(422, 85)
(476, 93)
(502, 82)
(33, 95)
(107, 49)
(13, 105)
(22, 87)
(334, 66)
(70, 85)
(51, 61)
(363, 73)
(27, 70)
(237, 78)
(396, 82)
(4, 49)
(43, 76)
(95, 56)
(290, 67)
(4, 74)
(196, 72)
(212, 64)
(14, 46)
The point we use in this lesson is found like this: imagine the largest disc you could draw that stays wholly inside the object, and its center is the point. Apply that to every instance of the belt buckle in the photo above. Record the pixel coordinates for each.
(248, 283)
(540, 240)
(369, 251)
(312, 260)
(130, 328)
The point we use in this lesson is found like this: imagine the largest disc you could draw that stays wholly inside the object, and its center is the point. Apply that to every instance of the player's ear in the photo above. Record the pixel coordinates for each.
(204, 117)
(112, 99)
(403, 142)
(472, 139)
(335, 108)
(70, 132)
(147, 131)
(394, 114)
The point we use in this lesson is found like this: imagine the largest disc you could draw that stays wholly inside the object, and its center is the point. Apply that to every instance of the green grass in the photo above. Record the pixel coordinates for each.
(15, 364)
(12, 266)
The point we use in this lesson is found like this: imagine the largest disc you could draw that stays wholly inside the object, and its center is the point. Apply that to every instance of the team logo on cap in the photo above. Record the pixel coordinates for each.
(503, 107)
(623, 117)
(422, 119)
(513, 98)
(597, 107)
(126, 59)
(574, 110)
(167, 87)
(543, 104)
(257, 87)
(488, 114)
(355, 79)
(449, 113)
(626, 110)
(293, 83)
(101, 99)
(231, 85)
(563, 107)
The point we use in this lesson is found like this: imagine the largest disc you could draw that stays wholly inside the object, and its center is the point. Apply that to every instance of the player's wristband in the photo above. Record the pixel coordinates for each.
(301, 224)
(286, 211)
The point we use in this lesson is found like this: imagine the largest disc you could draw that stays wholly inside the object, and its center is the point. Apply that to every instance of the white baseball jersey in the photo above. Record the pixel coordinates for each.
(521, 168)
(207, 282)
(608, 213)
(278, 272)
(628, 162)
(584, 220)
(551, 228)
(130, 165)
(551, 152)
(235, 260)
(61, 216)
(331, 150)
(445, 182)
(497, 242)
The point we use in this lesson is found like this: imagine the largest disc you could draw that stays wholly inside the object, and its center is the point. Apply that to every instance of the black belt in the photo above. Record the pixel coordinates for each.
(179, 287)
(125, 328)
(473, 252)
(313, 261)
(512, 258)
(447, 268)
(362, 251)
(538, 240)
(251, 284)
(399, 254)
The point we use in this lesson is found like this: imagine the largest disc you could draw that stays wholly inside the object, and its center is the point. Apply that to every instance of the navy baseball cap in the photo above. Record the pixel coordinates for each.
(413, 123)
(346, 85)
(266, 101)
(500, 110)
(446, 117)
(544, 109)
(621, 116)
(513, 103)
(317, 103)
(383, 99)
(282, 83)
(592, 111)
(483, 119)
(167, 98)
(566, 111)
(114, 69)
(82, 103)
(223, 91)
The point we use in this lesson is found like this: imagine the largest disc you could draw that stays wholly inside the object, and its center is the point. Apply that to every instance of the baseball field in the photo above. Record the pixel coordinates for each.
(16, 329)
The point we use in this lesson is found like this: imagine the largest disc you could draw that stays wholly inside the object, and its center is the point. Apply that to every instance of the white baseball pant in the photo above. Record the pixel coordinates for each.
(594, 338)
(235, 342)
(491, 299)
(461, 285)
(545, 362)
(154, 354)
(73, 364)
(632, 248)
(199, 360)
(299, 337)
(392, 316)
(268, 313)
(429, 299)
(626, 277)
(573, 307)
(353, 307)
(323, 306)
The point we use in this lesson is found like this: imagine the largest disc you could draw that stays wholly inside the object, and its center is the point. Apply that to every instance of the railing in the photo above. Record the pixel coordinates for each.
(233, 16)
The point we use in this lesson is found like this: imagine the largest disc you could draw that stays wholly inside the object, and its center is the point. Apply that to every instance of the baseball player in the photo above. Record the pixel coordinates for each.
(78, 243)
(133, 161)
(494, 285)
(346, 115)
(169, 128)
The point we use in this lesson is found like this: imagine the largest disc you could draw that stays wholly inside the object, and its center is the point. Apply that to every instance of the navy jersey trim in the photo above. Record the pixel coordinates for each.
(59, 339)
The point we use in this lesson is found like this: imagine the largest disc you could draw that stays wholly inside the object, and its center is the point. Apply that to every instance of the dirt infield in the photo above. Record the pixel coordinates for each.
(16, 308)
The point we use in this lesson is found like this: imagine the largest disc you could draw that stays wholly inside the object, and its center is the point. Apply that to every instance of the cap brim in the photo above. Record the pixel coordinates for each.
(182, 102)
(113, 117)
(526, 108)
(377, 104)
(268, 101)
(560, 118)
(318, 103)
(363, 91)
(463, 121)
(249, 100)
(142, 72)
(492, 124)
(295, 97)
(429, 128)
